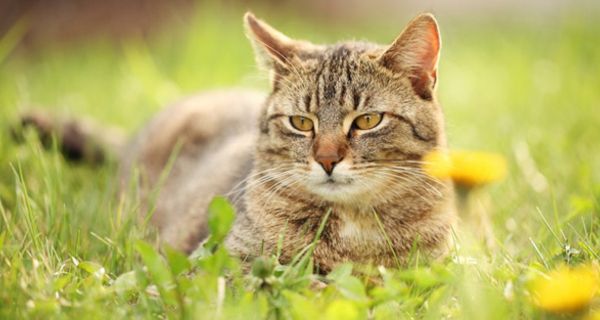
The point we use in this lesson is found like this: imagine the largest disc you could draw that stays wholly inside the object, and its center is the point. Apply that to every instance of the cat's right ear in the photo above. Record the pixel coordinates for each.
(274, 50)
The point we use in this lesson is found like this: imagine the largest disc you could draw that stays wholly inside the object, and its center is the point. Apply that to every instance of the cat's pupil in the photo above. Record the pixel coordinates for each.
(301, 123)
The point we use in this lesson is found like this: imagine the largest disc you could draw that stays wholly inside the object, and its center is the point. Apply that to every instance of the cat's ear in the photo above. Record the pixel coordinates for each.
(274, 50)
(416, 52)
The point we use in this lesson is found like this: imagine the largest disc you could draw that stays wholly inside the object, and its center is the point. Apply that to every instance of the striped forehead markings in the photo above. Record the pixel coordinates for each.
(334, 78)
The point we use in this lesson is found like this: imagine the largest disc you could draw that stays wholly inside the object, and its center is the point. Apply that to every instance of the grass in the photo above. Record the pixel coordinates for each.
(69, 248)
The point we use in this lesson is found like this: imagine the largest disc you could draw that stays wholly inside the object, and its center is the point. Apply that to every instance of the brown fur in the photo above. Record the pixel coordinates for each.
(283, 181)
(331, 84)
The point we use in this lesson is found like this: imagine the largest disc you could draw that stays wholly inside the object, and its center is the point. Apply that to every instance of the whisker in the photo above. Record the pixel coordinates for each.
(253, 175)
(254, 183)
(413, 171)
(406, 184)
(280, 185)
(416, 174)
(258, 182)
(430, 188)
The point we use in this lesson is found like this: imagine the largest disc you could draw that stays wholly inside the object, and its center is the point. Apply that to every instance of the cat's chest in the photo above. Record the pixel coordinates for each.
(349, 238)
(358, 230)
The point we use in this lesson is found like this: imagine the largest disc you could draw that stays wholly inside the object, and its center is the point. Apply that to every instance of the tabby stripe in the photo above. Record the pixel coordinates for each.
(318, 80)
(378, 133)
(348, 73)
(275, 116)
(276, 151)
(342, 95)
(292, 134)
(307, 99)
(355, 100)
(329, 92)
(412, 126)
(366, 101)
(401, 118)
(294, 197)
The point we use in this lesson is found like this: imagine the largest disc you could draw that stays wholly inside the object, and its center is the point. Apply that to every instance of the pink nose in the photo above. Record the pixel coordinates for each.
(328, 161)
(329, 152)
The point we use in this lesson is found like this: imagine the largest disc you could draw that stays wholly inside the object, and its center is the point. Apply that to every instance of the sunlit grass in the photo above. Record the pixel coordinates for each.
(70, 248)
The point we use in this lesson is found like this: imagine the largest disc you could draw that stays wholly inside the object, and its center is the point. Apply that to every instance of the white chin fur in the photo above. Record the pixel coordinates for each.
(340, 187)
(340, 193)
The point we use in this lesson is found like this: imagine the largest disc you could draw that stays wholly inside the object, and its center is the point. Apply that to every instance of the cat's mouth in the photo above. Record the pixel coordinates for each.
(330, 181)
(337, 189)
(342, 186)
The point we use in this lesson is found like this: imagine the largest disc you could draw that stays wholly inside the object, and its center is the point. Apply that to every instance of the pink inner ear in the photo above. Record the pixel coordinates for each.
(430, 56)
(423, 84)
(426, 48)
(416, 51)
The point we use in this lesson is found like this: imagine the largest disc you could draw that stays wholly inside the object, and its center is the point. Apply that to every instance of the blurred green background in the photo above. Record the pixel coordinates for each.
(522, 80)
(518, 78)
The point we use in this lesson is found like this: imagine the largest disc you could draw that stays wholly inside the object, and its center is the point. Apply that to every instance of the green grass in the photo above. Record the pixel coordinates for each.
(69, 248)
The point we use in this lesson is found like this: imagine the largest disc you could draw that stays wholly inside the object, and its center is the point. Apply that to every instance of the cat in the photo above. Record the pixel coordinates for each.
(342, 134)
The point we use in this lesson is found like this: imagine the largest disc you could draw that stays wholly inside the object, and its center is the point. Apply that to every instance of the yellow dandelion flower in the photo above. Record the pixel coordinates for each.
(566, 289)
(465, 168)
(594, 315)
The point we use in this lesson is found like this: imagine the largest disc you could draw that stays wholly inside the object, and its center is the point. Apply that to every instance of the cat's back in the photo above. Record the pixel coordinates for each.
(192, 124)
(206, 144)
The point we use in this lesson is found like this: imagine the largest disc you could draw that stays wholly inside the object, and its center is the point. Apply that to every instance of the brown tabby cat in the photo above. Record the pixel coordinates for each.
(343, 132)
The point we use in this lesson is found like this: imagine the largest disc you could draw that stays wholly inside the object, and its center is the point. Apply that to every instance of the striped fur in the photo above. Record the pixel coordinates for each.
(242, 144)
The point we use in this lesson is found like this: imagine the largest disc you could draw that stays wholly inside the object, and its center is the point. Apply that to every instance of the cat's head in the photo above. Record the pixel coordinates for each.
(349, 122)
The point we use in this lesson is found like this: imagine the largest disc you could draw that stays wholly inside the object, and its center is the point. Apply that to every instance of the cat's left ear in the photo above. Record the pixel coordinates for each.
(416, 52)
(274, 50)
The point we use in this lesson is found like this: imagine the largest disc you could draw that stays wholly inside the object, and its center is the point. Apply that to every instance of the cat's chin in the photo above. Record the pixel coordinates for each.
(341, 187)
(340, 192)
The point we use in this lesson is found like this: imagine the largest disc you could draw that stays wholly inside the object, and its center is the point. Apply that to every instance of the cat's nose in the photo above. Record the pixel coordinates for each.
(328, 152)
(328, 162)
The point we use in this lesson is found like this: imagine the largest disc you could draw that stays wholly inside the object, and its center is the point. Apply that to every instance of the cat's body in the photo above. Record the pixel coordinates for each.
(343, 132)
(211, 139)
(240, 144)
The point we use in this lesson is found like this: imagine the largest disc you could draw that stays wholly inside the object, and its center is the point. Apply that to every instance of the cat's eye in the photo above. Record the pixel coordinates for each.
(301, 123)
(367, 121)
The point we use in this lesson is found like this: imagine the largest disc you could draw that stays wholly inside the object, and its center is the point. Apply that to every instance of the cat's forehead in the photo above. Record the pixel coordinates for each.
(338, 64)
(340, 79)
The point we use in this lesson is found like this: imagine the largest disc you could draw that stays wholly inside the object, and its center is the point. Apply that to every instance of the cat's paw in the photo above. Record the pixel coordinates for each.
(40, 122)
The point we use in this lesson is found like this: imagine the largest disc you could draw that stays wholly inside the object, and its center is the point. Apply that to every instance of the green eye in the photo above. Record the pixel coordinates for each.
(301, 123)
(368, 121)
